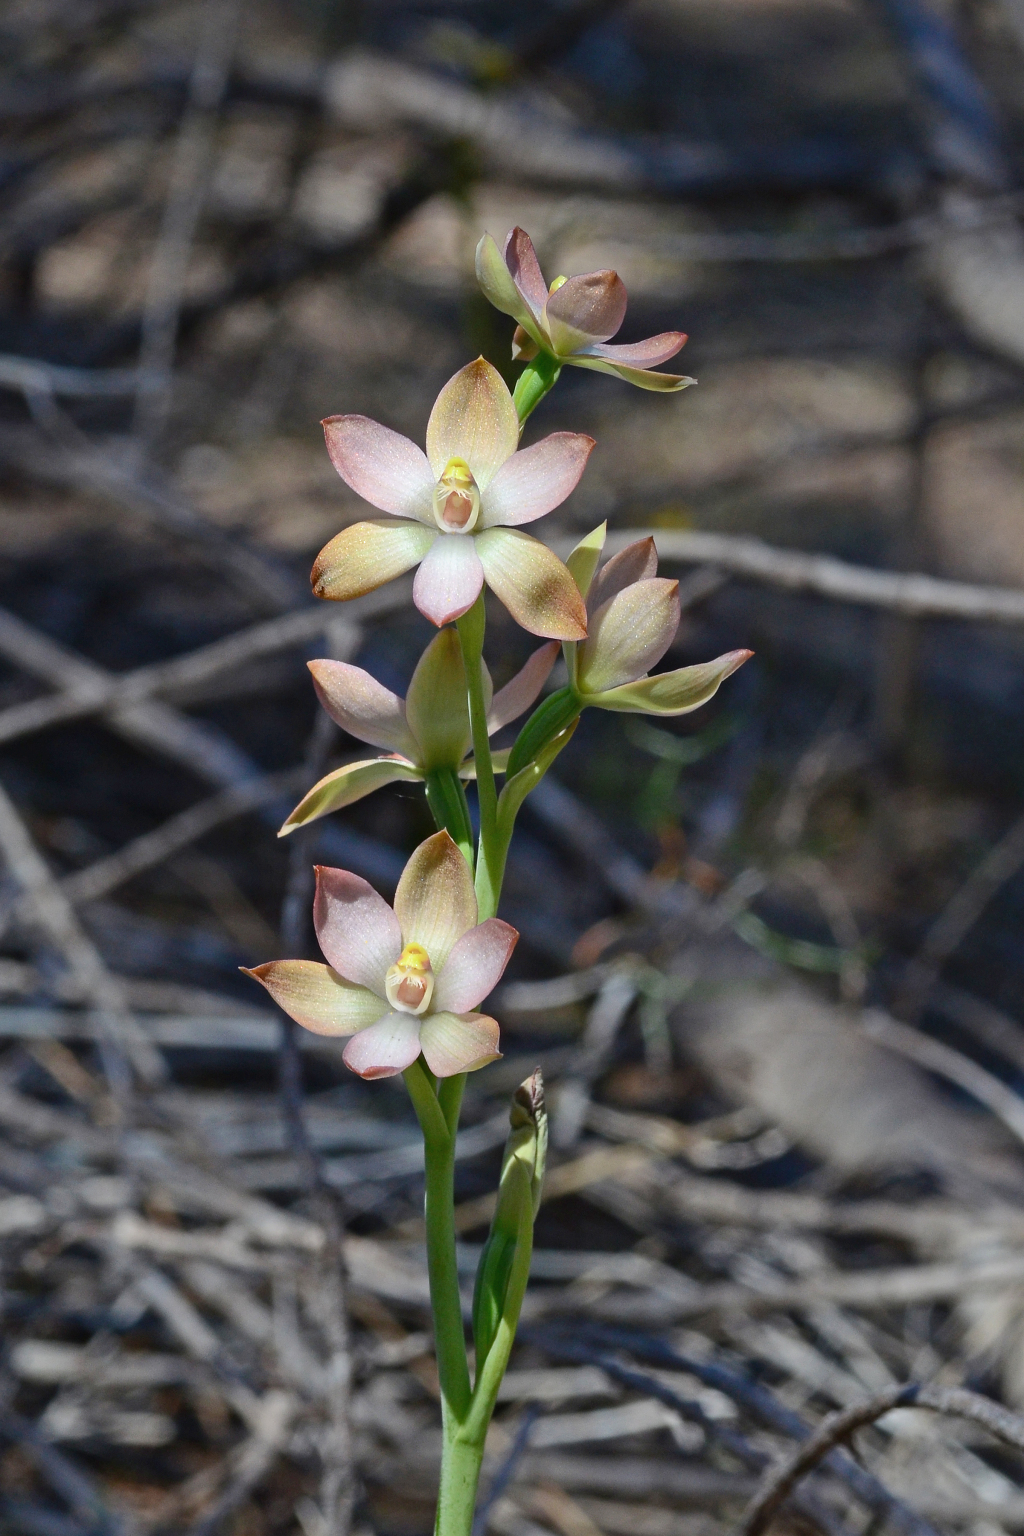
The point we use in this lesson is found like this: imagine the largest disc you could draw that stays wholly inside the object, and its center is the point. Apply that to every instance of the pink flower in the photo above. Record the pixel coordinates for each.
(456, 510)
(574, 318)
(400, 981)
(426, 730)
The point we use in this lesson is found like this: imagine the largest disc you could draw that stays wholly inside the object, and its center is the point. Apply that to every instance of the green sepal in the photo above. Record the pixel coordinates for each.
(450, 809)
(582, 563)
(549, 719)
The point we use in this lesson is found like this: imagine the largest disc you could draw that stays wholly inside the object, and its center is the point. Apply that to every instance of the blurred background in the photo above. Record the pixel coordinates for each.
(771, 955)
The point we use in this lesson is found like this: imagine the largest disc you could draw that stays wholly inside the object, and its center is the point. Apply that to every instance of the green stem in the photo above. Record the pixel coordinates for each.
(456, 1495)
(439, 1214)
(450, 808)
(488, 866)
(535, 381)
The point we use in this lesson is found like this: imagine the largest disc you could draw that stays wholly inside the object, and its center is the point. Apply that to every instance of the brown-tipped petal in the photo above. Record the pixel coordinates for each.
(535, 480)
(437, 706)
(673, 693)
(524, 269)
(386, 1048)
(316, 997)
(363, 557)
(475, 966)
(533, 584)
(663, 383)
(448, 581)
(361, 705)
(628, 635)
(473, 419)
(382, 466)
(497, 285)
(510, 702)
(451, 1044)
(637, 562)
(641, 354)
(435, 902)
(356, 929)
(584, 310)
(347, 785)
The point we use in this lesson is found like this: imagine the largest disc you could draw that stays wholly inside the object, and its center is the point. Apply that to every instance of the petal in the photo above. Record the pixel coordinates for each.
(382, 466)
(667, 383)
(473, 419)
(451, 1044)
(366, 555)
(475, 966)
(533, 584)
(641, 354)
(317, 997)
(535, 480)
(435, 902)
(437, 705)
(674, 693)
(582, 563)
(497, 285)
(347, 785)
(356, 929)
(584, 310)
(361, 705)
(637, 562)
(386, 1048)
(524, 269)
(449, 580)
(510, 702)
(628, 635)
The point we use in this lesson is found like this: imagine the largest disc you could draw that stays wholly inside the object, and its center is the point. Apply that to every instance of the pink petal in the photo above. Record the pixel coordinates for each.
(637, 562)
(510, 702)
(497, 285)
(356, 929)
(641, 354)
(451, 1044)
(533, 584)
(435, 901)
(643, 378)
(475, 966)
(364, 556)
(449, 580)
(473, 419)
(382, 466)
(361, 705)
(535, 480)
(317, 997)
(628, 635)
(524, 269)
(385, 1048)
(586, 309)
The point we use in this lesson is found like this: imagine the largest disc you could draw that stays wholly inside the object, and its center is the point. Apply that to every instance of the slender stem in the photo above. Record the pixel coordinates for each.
(488, 872)
(439, 1212)
(456, 1496)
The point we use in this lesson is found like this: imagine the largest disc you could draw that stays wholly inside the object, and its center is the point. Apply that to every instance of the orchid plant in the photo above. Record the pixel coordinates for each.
(404, 983)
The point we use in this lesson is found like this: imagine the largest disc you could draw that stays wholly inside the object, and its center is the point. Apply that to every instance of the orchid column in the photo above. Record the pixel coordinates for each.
(404, 983)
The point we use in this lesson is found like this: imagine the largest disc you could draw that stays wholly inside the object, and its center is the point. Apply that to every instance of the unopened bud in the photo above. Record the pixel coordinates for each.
(456, 498)
(409, 984)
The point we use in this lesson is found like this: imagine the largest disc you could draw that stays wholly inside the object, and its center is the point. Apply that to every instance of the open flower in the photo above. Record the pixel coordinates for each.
(426, 730)
(400, 981)
(461, 505)
(632, 616)
(574, 318)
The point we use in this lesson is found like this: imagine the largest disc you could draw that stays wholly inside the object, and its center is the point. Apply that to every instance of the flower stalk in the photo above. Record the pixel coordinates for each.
(402, 984)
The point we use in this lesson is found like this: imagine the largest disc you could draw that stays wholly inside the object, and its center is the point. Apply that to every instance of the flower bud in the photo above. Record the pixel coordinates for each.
(409, 984)
(456, 498)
